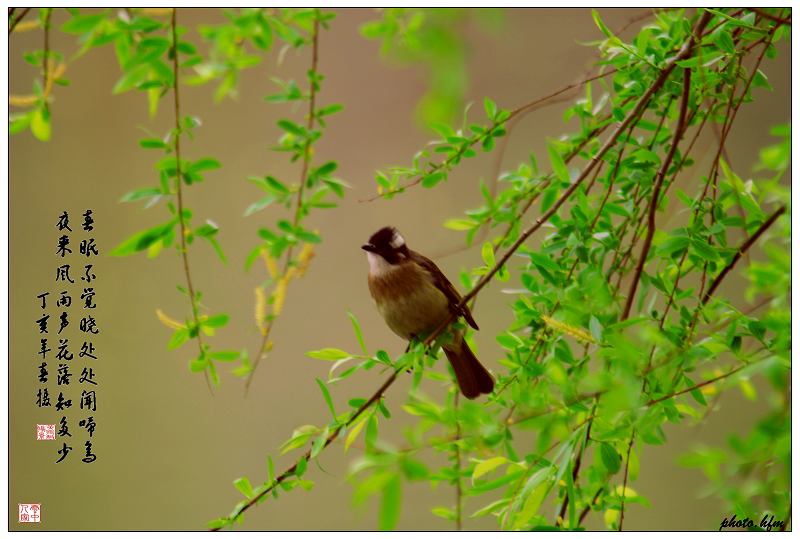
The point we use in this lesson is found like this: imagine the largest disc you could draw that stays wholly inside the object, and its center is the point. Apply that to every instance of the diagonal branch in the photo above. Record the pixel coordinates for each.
(742, 250)
(18, 20)
(331, 437)
(651, 215)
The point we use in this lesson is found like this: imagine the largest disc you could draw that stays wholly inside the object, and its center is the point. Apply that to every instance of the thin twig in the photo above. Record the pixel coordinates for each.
(514, 113)
(740, 251)
(262, 349)
(651, 215)
(18, 19)
(46, 57)
(179, 190)
(651, 402)
(770, 16)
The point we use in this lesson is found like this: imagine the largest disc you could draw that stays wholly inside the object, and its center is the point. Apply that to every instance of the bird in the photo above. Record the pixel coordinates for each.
(415, 298)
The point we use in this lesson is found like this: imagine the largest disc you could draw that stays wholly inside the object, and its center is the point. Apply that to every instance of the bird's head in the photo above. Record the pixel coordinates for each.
(386, 246)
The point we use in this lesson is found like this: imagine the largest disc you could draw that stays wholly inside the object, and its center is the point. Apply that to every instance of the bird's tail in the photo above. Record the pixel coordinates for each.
(473, 378)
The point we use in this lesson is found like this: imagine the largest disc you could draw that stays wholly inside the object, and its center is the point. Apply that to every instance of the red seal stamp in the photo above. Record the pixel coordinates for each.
(45, 432)
(30, 512)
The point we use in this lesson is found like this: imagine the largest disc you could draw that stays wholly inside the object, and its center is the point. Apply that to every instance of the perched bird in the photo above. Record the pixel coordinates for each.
(415, 298)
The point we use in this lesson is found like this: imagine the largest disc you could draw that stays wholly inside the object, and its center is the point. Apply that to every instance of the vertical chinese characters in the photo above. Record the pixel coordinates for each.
(70, 300)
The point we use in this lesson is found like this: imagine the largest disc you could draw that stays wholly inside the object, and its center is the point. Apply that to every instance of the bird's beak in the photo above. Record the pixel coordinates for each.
(368, 247)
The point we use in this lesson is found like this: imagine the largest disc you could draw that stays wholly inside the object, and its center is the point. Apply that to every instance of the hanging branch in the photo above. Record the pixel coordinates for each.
(264, 346)
(179, 190)
(659, 180)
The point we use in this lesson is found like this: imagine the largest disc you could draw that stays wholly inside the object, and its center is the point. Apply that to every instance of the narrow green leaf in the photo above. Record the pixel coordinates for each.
(243, 485)
(142, 240)
(357, 331)
(487, 253)
(486, 466)
(389, 512)
(327, 395)
(557, 162)
(328, 354)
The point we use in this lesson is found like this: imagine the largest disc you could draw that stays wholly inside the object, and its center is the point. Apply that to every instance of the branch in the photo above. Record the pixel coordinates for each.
(770, 16)
(640, 106)
(46, 57)
(179, 182)
(659, 180)
(262, 349)
(651, 402)
(17, 20)
(331, 437)
(528, 107)
(642, 103)
(740, 251)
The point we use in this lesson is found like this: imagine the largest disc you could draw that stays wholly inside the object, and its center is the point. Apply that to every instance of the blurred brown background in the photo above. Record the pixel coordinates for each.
(167, 450)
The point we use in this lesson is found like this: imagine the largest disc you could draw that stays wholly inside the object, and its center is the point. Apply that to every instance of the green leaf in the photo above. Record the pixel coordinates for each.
(139, 194)
(225, 355)
(243, 485)
(40, 124)
(430, 180)
(291, 127)
(610, 457)
(217, 523)
(557, 162)
(131, 78)
(142, 240)
(486, 466)
(354, 430)
(18, 122)
(600, 24)
(490, 107)
(487, 253)
(216, 321)
(357, 331)
(81, 24)
(444, 512)
(460, 224)
(153, 143)
(328, 354)
(327, 395)
(206, 163)
(704, 250)
(389, 512)
(596, 329)
(544, 262)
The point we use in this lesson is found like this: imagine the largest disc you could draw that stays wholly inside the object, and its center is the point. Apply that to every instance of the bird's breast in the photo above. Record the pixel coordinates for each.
(408, 300)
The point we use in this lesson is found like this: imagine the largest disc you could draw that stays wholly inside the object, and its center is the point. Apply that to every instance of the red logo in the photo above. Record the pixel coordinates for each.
(45, 432)
(30, 512)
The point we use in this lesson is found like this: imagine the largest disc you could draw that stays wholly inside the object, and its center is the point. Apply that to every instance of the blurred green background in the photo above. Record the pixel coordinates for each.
(167, 450)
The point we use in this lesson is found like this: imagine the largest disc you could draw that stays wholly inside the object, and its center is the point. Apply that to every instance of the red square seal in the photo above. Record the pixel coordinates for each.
(45, 432)
(30, 512)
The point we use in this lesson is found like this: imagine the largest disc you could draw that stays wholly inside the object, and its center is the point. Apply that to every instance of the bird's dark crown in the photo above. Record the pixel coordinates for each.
(384, 237)
(388, 243)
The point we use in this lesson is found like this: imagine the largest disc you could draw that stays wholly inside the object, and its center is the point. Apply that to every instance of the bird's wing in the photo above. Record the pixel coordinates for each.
(442, 283)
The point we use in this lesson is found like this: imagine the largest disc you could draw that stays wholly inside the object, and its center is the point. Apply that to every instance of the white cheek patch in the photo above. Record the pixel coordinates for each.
(378, 265)
(397, 241)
